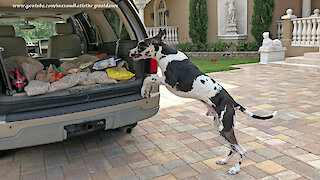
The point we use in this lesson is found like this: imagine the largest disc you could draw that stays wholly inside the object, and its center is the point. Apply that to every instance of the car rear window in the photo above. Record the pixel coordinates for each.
(44, 29)
(89, 25)
(114, 20)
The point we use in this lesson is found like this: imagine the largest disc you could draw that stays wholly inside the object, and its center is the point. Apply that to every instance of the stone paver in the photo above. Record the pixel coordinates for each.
(180, 142)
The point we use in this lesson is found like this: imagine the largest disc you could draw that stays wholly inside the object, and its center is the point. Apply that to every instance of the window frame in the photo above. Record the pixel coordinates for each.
(85, 30)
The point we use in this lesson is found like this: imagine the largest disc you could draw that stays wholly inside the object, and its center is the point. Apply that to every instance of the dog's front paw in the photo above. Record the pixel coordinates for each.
(145, 91)
(234, 170)
(209, 114)
(221, 161)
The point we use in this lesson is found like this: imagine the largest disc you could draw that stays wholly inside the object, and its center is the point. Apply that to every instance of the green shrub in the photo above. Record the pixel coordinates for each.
(261, 18)
(187, 47)
(247, 46)
(218, 47)
(198, 22)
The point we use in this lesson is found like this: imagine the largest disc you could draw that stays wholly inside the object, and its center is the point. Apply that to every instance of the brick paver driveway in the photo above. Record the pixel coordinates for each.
(180, 142)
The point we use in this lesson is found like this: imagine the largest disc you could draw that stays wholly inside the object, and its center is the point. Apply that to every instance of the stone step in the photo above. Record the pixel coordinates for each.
(304, 67)
(303, 60)
(312, 55)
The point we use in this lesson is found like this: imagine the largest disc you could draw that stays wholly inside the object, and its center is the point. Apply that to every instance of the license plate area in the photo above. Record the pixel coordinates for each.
(83, 128)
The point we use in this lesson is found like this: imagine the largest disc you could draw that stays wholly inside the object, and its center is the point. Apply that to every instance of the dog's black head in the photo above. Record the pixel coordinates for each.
(148, 48)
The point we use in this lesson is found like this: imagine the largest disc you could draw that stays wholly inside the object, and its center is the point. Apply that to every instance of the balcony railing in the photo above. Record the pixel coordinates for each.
(306, 32)
(171, 37)
(280, 29)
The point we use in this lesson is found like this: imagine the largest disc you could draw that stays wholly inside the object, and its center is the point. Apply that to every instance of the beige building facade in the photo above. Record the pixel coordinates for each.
(175, 14)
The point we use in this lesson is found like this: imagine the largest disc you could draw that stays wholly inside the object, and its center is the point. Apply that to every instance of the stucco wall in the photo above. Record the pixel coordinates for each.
(147, 14)
(315, 4)
(212, 33)
(179, 16)
(280, 9)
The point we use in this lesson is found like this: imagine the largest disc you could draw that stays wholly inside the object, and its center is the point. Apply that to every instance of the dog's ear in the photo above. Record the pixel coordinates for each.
(160, 37)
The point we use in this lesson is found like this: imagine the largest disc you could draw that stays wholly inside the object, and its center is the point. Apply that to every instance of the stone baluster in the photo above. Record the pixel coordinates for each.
(309, 31)
(299, 40)
(279, 29)
(169, 35)
(304, 32)
(172, 35)
(318, 33)
(156, 31)
(150, 32)
(314, 32)
(294, 32)
(176, 35)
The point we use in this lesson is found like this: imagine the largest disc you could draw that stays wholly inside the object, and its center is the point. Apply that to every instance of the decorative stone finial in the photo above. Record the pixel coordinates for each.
(316, 13)
(289, 15)
(289, 11)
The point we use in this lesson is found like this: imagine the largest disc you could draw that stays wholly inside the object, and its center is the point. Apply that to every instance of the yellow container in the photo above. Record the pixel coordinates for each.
(121, 75)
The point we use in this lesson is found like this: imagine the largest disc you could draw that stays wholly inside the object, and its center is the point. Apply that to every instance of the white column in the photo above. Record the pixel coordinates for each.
(141, 11)
(141, 4)
(306, 8)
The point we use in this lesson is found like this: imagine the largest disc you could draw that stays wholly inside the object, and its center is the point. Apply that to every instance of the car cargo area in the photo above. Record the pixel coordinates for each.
(84, 60)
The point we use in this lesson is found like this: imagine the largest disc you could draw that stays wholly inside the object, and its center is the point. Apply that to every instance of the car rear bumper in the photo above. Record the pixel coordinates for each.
(51, 129)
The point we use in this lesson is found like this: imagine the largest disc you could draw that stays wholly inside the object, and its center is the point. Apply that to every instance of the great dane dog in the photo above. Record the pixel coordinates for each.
(184, 79)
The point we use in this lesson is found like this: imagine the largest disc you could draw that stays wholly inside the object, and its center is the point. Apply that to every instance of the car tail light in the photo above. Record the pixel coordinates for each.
(153, 66)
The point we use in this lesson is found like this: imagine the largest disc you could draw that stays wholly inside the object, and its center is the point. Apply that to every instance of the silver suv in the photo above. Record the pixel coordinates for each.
(27, 121)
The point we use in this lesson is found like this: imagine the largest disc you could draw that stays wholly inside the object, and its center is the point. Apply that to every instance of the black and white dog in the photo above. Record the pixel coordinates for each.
(184, 79)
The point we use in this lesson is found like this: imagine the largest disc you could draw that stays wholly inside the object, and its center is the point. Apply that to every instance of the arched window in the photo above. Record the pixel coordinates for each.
(160, 13)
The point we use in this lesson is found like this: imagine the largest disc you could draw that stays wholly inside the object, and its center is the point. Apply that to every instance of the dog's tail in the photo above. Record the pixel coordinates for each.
(242, 109)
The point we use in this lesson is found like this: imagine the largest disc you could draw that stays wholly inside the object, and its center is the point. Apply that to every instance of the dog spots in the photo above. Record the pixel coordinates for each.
(215, 88)
(156, 47)
(182, 74)
(233, 148)
(240, 161)
(166, 50)
(148, 53)
(203, 81)
(137, 55)
(221, 127)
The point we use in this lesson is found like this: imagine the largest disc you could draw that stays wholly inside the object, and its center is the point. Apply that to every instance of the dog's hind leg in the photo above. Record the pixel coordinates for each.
(226, 159)
(235, 148)
(210, 111)
(227, 131)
